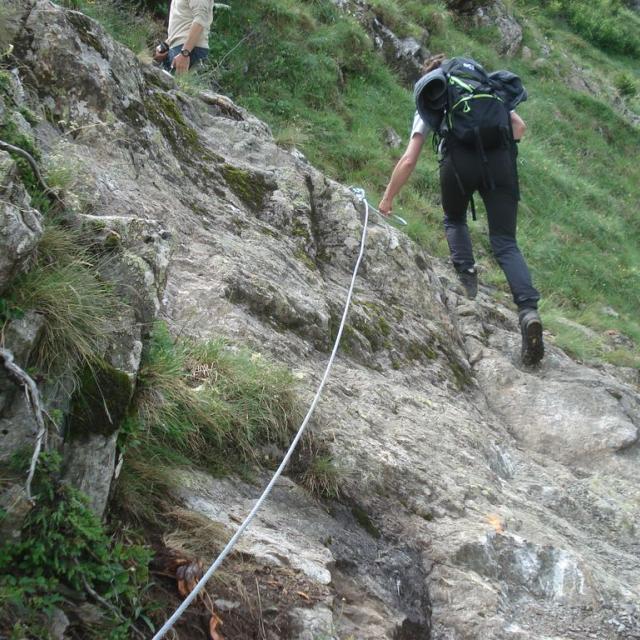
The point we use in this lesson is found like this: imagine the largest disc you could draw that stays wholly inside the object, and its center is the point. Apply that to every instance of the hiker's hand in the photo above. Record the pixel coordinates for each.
(385, 207)
(158, 55)
(180, 64)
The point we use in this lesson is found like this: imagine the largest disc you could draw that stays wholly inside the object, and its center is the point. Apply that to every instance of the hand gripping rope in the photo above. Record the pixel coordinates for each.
(361, 197)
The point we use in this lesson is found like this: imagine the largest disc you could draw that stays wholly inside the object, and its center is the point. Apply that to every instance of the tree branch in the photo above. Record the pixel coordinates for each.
(33, 398)
(107, 605)
(5, 146)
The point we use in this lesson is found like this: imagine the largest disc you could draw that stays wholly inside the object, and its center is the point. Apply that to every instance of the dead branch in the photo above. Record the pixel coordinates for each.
(33, 398)
(34, 166)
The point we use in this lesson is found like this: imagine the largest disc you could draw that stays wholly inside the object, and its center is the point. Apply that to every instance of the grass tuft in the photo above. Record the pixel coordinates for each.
(79, 309)
(205, 404)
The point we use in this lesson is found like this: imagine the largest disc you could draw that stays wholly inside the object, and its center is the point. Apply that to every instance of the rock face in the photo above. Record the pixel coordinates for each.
(404, 55)
(508, 27)
(483, 500)
(20, 224)
(135, 247)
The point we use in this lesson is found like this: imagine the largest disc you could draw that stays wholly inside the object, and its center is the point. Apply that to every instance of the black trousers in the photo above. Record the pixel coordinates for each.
(463, 172)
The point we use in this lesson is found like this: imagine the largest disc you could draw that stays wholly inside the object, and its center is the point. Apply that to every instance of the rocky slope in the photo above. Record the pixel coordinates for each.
(482, 500)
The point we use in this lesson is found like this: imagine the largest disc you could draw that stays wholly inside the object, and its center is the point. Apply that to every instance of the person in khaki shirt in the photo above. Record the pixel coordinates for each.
(187, 41)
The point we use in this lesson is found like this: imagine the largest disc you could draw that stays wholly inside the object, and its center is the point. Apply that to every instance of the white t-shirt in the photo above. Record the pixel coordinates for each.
(419, 126)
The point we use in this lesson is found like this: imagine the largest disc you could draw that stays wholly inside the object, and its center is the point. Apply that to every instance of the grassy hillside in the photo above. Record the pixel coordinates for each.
(313, 74)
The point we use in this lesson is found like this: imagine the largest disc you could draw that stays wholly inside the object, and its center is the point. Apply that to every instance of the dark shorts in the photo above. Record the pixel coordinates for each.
(198, 55)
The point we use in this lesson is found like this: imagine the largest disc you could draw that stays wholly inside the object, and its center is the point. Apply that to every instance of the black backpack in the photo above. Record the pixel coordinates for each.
(475, 115)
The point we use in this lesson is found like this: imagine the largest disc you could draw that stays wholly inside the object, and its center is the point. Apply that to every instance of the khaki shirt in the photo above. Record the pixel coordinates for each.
(183, 14)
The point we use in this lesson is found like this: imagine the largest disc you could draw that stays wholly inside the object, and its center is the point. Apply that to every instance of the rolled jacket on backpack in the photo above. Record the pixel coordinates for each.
(509, 87)
(430, 95)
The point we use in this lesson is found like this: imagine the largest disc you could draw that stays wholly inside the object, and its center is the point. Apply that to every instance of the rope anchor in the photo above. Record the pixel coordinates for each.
(360, 194)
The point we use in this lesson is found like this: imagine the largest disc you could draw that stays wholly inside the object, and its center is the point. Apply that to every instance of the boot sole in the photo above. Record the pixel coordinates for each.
(532, 335)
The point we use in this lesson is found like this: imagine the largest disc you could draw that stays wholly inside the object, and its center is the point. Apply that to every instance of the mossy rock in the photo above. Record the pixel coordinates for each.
(461, 375)
(163, 111)
(100, 401)
(300, 230)
(302, 256)
(251, 188)
(373, 325)
(89, 31)
(417, 350)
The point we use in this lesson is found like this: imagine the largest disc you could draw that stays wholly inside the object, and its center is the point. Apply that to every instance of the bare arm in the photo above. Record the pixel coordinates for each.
(518, 126)
(402, 172)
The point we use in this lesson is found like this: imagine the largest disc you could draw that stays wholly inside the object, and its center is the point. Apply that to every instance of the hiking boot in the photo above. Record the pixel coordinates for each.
(469, 280)
(531, 329)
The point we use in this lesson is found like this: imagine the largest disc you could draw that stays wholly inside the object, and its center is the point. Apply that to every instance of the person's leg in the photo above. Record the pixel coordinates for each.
(502, 208)
(454, 203)
(197, 58)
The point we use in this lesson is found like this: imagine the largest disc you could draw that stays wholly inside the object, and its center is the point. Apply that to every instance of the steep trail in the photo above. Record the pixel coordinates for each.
(481, 499)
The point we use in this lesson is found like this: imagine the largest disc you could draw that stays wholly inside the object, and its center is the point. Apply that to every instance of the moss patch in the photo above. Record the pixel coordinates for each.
(300, 230)
(302, 256)
(164, 113)
(6, 86)
(363, 519)
(461, 376)
(417, 350)
(251, 188)
(100, 403)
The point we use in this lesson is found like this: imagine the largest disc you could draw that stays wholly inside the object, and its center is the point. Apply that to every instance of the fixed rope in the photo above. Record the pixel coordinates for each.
(361, 196)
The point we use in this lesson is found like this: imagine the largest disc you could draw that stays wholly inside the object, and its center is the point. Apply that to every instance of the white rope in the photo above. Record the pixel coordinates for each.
(360, 195)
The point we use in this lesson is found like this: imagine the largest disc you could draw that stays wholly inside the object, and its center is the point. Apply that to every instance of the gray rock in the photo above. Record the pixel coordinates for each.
(509, 28)
(405, 56)
(89, 465)
(20, 224)
(58, 624)
(392, 139)
(309, 624)
(564, 419)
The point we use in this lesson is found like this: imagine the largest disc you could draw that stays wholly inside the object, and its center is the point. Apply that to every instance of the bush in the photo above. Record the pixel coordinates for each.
(63, 555)
(625, 85)
(606, 23)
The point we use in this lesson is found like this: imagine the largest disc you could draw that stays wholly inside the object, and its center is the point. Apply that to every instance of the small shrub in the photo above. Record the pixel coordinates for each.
(64, 550)
(321, 476)
(625, 85)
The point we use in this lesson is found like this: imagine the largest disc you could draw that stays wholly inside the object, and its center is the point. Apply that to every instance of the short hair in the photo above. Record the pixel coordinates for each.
(433, 62)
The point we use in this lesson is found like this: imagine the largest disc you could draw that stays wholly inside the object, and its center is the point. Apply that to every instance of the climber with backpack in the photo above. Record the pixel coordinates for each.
(475, 132)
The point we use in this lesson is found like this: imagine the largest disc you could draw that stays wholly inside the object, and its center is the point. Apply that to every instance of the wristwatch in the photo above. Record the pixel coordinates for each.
(186, 53)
